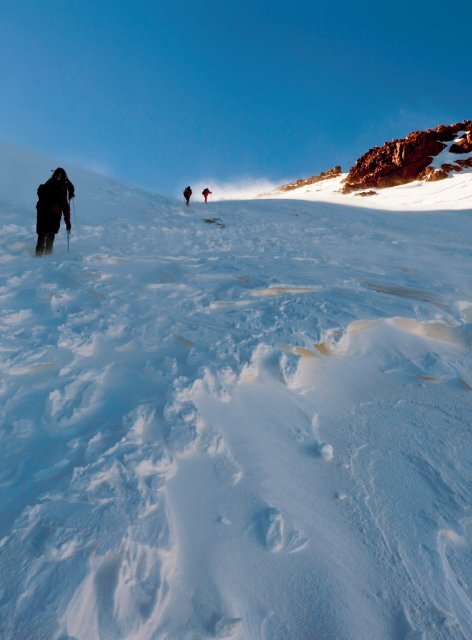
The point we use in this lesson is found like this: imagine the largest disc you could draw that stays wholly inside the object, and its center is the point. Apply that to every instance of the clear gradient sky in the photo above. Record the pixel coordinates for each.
(163, 93)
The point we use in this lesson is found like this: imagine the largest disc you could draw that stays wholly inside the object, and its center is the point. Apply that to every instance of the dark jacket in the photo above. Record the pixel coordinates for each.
(53, 201)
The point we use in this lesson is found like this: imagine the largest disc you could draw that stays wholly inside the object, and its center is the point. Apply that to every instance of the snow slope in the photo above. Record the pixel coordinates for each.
(451, 194)
(246, 420)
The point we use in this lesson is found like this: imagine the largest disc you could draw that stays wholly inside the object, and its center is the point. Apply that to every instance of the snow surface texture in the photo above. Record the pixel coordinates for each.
(257, 429)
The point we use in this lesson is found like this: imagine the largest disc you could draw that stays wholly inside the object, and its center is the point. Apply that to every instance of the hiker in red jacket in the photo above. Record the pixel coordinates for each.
(205, 193)
(187, 194)
(53, 202)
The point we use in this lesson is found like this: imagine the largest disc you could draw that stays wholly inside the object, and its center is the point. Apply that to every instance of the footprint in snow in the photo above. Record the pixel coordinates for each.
(68, 405)
(276, 536)
(226, 627)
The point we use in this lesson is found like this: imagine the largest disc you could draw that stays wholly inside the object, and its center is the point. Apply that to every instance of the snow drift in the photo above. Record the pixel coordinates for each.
(255, 429)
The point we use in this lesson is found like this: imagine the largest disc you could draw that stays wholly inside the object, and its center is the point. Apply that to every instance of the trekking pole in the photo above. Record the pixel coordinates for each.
(68, 233)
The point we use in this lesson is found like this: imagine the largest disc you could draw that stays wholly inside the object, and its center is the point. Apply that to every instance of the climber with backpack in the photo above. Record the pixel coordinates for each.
(187, 194)
(205, 193)
(53, 202)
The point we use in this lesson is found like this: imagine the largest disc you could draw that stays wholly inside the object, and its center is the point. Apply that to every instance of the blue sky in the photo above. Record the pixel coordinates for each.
(165, 93)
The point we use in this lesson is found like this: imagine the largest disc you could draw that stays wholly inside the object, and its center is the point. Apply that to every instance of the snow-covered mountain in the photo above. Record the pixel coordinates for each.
(245, 420)
(451, 194)
(425, 156)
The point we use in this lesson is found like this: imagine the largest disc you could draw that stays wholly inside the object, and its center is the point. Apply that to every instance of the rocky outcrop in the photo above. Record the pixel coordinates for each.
(432, 175)
(303, 182)
(466, 163)
(364, 194)
(402, 161)
(464, 145)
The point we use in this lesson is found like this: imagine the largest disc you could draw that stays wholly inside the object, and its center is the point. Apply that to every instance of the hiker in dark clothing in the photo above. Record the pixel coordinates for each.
(187, 194)
(53, 202)
(205, 193)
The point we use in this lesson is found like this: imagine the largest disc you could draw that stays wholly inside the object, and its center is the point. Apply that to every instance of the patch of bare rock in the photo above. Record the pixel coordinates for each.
(303, 182)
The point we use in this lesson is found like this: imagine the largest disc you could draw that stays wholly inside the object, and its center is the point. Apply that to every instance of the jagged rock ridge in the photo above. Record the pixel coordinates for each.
(401, 161)
(303, 182)
(404, 160)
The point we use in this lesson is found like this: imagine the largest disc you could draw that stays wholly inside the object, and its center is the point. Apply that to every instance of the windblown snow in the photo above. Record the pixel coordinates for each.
(248, 419)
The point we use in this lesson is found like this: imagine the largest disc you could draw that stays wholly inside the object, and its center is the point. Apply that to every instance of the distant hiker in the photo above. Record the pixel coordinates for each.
(187, 194)
(205, 193)
(53, 201)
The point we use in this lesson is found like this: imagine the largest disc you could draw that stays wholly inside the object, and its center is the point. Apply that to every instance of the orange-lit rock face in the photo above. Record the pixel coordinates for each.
(402, 161)
(464, 145)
